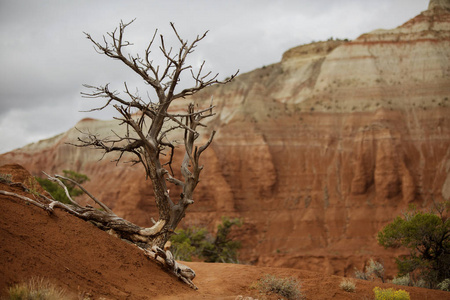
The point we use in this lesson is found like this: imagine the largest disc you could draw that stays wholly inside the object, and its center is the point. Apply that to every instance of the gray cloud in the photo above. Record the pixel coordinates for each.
(45, 57)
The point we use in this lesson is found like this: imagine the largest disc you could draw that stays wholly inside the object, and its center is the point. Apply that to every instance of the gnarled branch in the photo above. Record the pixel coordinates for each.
(151, 126)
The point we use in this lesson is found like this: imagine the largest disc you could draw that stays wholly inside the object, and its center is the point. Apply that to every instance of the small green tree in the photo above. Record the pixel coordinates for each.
(427, 236)
(223, 248)
(57, 191)
(198, 242)
(188, 242)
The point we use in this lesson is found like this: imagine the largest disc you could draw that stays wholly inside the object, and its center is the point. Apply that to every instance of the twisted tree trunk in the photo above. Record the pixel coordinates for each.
(151, 144)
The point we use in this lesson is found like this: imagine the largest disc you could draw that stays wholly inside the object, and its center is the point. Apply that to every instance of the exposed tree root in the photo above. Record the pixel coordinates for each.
(183, 272)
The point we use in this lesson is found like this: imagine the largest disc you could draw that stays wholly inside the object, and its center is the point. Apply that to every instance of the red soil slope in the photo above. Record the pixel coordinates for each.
(73, 253)
(82, 259)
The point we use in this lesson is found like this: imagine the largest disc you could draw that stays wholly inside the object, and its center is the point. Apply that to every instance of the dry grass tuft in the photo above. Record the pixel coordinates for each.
(348, 285)
(288, 288)
(36, 289)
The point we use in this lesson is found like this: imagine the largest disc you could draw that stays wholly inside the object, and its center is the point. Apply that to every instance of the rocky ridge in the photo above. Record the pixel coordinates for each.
(315, 153)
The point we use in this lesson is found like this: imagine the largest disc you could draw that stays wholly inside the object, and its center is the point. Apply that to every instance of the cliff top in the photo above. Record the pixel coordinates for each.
(312, 49)
(445, 4)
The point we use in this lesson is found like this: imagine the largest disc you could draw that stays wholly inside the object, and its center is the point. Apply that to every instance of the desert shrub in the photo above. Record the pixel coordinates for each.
(32, 186)
(198, 242)
(390, 294)
(57, 191)
(402, 280)
(427, 236)
(36, 289)
(188, 242)
(373, 270)
(376, 269)
(420, 282)
(288, 288)
(6, 178)
(361, 275)
(444, 285)
(407, 280)
(347, 285)
(223, 248)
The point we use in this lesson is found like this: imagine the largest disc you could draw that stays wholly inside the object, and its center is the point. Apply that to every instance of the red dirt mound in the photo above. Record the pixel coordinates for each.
(72, 253)
(82, 259)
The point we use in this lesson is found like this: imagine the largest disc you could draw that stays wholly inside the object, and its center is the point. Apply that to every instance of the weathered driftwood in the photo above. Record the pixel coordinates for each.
(108, 221)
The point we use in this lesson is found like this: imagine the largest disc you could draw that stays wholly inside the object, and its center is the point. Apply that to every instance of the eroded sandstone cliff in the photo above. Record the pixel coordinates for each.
(315, 153)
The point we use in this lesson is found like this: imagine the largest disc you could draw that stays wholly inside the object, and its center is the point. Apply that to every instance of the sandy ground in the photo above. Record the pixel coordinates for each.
(82, 259)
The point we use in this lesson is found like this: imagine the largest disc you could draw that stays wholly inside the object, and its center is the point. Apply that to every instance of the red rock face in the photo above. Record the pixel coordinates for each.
(332, 182)
(316, 153)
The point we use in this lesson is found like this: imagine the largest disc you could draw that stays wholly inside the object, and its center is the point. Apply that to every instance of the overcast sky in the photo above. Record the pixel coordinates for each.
(45, 57)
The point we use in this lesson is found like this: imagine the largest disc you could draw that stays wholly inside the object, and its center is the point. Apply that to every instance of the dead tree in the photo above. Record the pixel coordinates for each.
(149, 125)
(149, 144)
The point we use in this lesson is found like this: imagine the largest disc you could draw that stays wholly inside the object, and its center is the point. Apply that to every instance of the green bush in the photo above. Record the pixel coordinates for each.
(402, 280)
(406, 280)
(5, 178)
(198, 242)
(188, 242)
(223, 248)
(427, 236)
(288, 288)
(390, 294)
(444, 285)
(57, 191)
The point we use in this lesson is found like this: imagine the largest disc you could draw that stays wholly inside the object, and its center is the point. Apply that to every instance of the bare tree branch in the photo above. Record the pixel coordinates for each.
(102, 205)
(26, 199)
(59, 182)
(151, 143)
